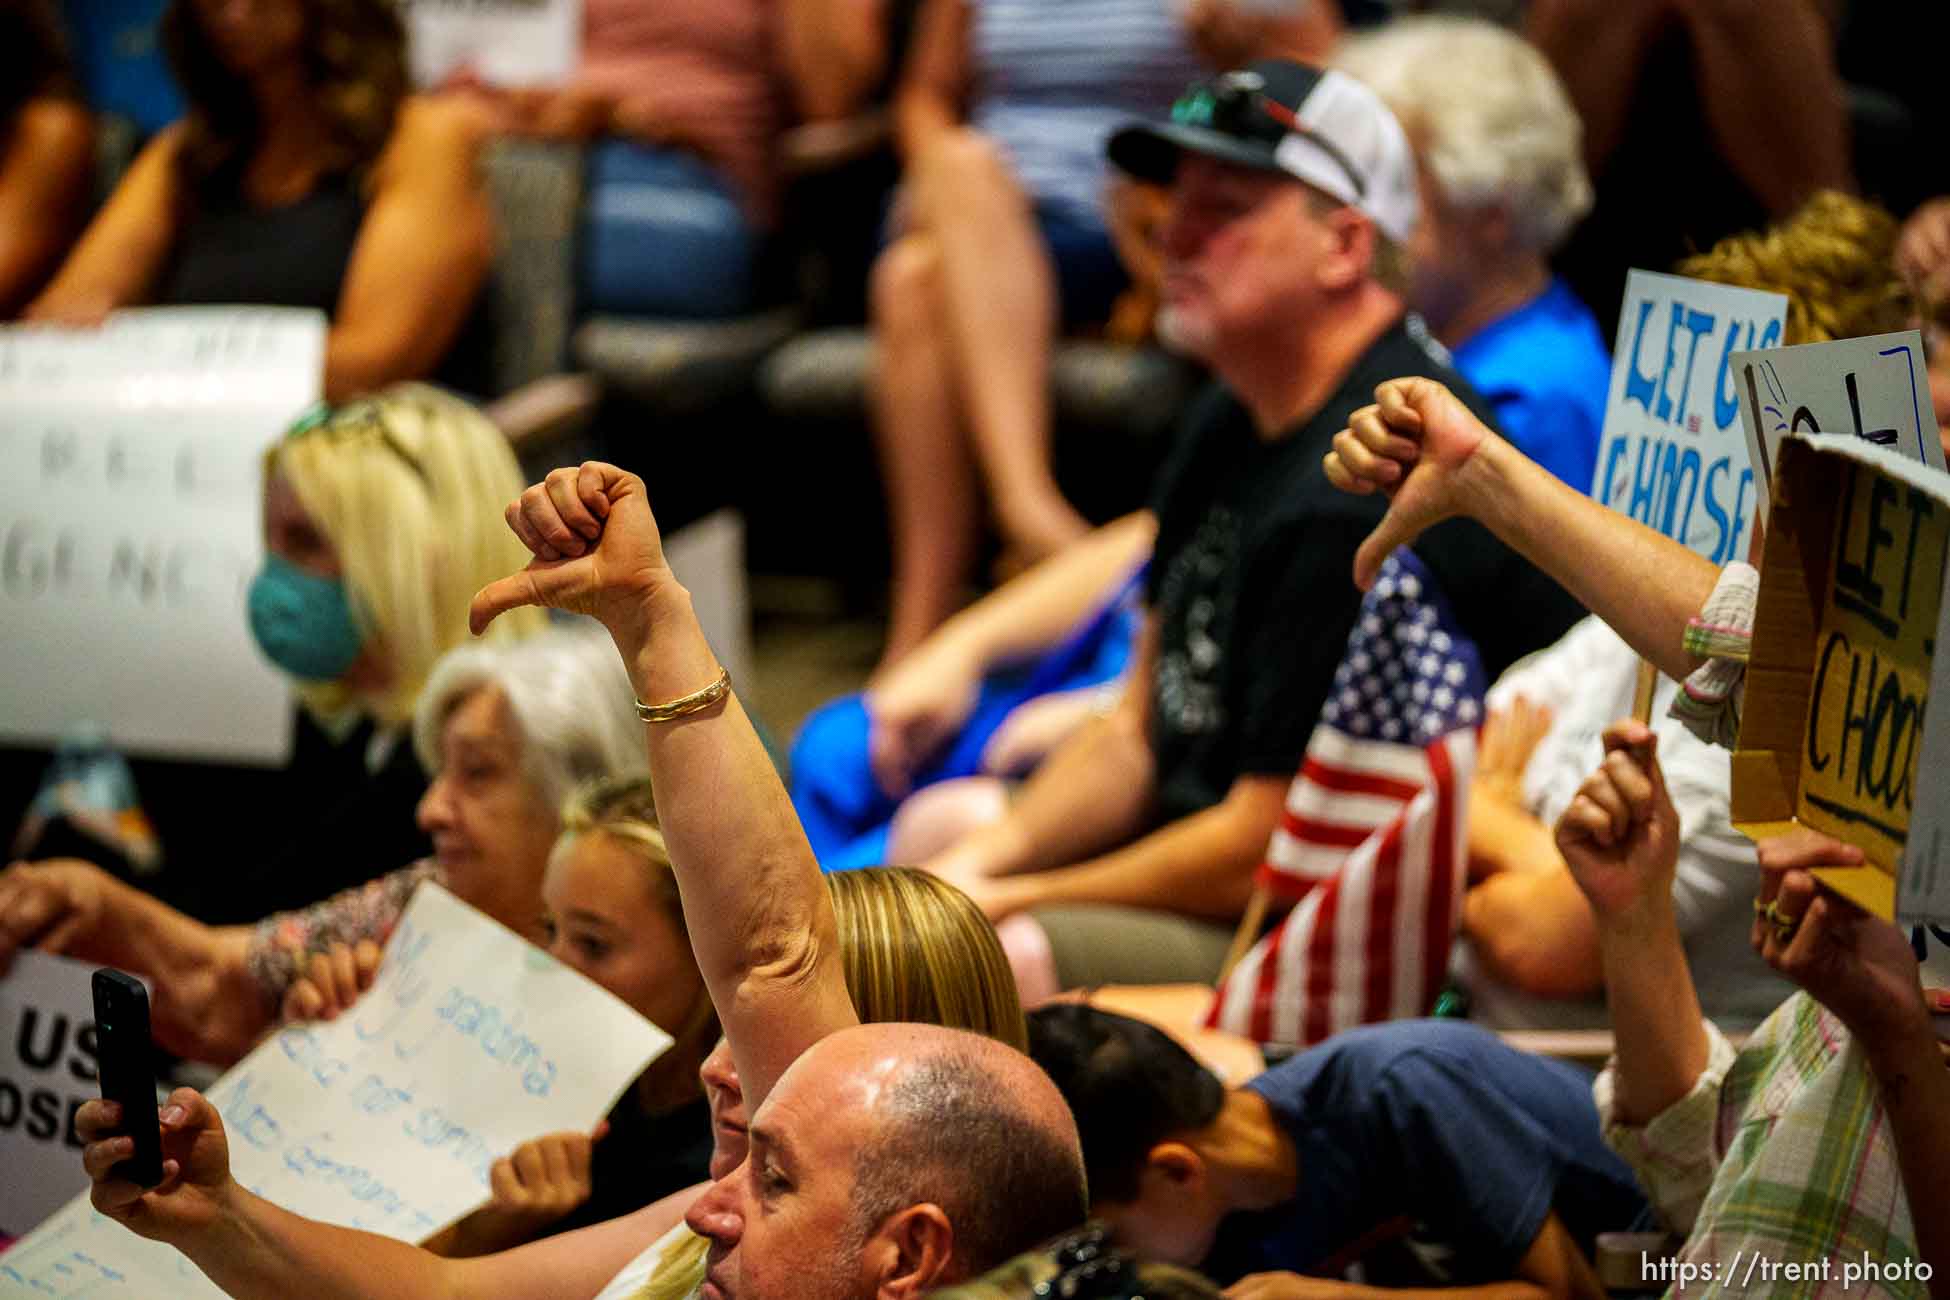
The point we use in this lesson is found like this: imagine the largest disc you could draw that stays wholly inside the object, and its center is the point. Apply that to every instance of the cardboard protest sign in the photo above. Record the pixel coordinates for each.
(470, 1042)
(47, 1070)
(502, 42)
(1673, 456)
(1875, 388)
(130, 484)
(1844, 657)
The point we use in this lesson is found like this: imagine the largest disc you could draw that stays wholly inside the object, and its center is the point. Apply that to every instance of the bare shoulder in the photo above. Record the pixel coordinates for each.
(434, 131)
(49, 126)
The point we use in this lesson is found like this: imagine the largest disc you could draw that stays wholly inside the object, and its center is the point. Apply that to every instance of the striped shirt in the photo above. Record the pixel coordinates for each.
(1051, 79)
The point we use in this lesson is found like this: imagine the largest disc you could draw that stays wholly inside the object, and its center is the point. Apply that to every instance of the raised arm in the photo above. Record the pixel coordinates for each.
(760, 921)
(1620, 836)
(420, 258)
(206, 1006)
(1434, 460)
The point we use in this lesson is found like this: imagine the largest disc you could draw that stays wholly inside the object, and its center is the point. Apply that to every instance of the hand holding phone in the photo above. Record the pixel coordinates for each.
(123, 1046)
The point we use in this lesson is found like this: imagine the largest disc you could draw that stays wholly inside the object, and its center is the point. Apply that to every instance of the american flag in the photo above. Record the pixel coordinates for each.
(1371, 850)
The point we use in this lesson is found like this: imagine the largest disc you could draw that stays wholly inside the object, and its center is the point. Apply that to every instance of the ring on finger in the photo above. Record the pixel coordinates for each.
(1784, 925)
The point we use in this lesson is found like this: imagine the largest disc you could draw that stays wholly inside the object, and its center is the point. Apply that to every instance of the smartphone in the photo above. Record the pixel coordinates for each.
(123, 1058)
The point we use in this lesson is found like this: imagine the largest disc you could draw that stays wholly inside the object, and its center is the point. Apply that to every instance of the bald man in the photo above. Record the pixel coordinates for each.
(890, 1159)
(884, 1160)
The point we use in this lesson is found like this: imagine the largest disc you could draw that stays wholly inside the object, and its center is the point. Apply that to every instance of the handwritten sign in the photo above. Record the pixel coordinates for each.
(502, 42)
(1875, 388)
(129, 525)
(1843, 660)
(47, 1070)
(470, 1042)
(1672, 455)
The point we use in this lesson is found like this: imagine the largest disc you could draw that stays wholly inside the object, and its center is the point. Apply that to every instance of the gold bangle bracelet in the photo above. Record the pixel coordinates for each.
(684, 705)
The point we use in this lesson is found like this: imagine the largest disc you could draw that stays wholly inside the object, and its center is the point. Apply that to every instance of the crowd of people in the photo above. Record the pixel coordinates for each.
(943, 989)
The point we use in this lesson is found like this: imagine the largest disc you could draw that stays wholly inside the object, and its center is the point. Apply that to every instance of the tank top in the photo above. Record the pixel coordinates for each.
(231, 250)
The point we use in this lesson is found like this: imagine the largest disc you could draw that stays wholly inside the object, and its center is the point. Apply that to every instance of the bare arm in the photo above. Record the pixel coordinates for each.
(44, 176)
(123, 250)
(760, 920)
(935, 80)
(1093, 792)
(922, 702)
(420, 258)
(1201, 865)
(206, 1006)
(1621, 839)
(1435, 460)
(834, 52)
(252, 1248)
(1534, 931)
(258, 1249)
(1034, 611)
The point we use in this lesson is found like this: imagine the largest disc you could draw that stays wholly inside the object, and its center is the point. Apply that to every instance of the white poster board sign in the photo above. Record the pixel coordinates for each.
(1672, 455)
(47, 1070)
(1875, 388)
(470, 1042)
(130, 470)
(502, 42)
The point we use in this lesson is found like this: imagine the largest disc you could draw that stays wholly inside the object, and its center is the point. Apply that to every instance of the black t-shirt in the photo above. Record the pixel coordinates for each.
(644, 1158)
(1253, 582)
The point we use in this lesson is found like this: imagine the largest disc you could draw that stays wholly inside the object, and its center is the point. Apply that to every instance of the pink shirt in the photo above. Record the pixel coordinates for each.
(704, 67)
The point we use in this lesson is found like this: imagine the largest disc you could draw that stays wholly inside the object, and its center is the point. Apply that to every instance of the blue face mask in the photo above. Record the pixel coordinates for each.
(303, 623)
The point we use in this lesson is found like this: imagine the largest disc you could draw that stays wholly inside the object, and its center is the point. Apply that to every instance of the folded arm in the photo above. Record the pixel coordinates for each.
(760, 920)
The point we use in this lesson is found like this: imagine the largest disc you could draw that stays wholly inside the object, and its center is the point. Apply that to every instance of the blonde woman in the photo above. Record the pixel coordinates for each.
(381, 518)
(914, 949)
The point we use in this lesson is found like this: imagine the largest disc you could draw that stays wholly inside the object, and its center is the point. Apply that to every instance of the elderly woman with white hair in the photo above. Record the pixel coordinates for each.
(1498, 147)
(507, 731)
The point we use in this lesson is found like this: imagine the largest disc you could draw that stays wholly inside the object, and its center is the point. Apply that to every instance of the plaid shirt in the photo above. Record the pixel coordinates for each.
(1779, 1155)
(1708, 702)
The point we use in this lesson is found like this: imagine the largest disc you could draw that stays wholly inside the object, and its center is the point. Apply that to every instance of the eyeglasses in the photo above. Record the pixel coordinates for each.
(1227, 104)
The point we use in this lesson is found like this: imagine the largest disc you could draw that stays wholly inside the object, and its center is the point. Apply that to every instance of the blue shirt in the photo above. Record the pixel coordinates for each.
(1434, 1127)
(1546, 373)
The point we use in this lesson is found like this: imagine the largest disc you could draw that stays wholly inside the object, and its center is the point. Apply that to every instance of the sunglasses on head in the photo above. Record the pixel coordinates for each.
(1227, 104)
(360, 418)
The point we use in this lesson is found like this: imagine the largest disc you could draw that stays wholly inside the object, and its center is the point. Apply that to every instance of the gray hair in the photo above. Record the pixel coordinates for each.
(1490, 120)
(571, 701)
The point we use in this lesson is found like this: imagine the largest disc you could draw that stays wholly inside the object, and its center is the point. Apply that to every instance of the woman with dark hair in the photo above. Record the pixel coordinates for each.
(46, 149)
(303, 175)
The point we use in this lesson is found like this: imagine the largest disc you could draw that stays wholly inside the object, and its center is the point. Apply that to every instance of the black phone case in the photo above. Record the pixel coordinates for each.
(122, 1041)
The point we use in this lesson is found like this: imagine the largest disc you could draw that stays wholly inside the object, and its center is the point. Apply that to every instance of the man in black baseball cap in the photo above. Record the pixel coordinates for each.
(1130, 854)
